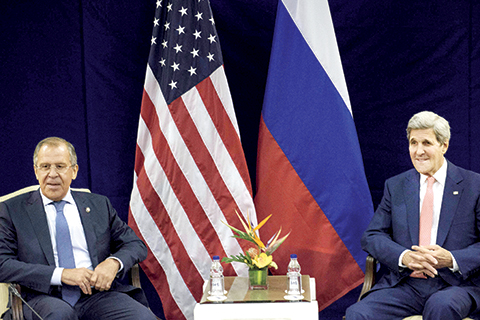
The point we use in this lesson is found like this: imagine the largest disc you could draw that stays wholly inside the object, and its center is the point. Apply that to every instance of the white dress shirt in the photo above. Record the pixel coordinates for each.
(77, 235)
(438, 187)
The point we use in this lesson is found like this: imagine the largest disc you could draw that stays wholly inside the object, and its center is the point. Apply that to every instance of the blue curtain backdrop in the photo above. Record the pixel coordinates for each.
(75, 69)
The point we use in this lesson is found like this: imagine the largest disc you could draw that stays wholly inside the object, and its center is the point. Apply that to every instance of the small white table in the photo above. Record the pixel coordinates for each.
(270, 304)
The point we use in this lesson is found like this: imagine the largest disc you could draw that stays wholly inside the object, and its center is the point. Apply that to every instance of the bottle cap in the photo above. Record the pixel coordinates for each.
(293, 256)
(216, 258)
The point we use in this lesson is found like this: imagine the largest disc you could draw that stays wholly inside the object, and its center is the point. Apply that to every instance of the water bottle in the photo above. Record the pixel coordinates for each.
(294, 278)
(216, 278)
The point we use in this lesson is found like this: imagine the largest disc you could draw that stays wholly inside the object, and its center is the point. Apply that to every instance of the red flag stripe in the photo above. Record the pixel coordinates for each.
(164, 224)
(155, 273)
(162, 255)
(208, 120)
(211, 89)
(179, 185)
(283, 192)
(191, 171)
(160, 258)
(203, 158)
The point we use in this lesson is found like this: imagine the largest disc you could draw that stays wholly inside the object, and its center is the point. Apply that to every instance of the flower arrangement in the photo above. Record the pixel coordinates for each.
(259, 256)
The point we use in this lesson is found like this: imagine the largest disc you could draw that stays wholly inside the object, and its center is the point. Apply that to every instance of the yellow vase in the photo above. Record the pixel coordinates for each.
(257, 279)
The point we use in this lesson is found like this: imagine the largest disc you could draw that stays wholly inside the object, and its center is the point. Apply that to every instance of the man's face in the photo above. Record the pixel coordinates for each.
(425, 151)
(54, 184)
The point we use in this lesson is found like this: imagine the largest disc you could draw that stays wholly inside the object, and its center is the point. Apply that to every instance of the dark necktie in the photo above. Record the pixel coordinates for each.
(70, 294)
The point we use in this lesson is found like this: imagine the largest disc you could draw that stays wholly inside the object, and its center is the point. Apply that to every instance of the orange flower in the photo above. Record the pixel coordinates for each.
(252, 252)
(252, 257)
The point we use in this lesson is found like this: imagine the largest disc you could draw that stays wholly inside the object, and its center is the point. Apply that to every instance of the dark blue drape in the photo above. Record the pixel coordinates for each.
(75, 69)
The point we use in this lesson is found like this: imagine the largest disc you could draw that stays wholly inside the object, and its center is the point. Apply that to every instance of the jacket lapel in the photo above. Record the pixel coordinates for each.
(84, 210)
(38, 218)
(412, 200)
(451, 197)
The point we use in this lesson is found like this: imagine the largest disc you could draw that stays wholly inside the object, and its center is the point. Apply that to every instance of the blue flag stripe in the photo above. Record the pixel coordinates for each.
(315, 130)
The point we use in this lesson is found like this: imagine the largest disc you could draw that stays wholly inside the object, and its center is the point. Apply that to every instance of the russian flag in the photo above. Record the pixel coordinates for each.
(310, 172)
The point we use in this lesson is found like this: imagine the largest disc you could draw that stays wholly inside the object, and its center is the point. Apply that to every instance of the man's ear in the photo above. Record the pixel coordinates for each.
(75, 171)
(445, 147)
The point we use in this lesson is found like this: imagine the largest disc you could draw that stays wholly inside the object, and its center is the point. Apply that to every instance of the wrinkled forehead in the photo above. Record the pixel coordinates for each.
(53, 154)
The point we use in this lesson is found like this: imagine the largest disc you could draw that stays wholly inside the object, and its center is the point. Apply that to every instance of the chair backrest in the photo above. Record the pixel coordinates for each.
(32, 188)
(4, 286)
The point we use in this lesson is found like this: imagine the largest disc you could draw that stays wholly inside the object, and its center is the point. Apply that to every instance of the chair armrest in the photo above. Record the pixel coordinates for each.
(135, 276)
(16, 303)
(370, 272)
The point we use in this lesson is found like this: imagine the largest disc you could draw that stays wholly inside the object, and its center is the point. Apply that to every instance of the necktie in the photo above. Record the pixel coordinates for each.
(426, 214)
(70, 294)
(426, 219)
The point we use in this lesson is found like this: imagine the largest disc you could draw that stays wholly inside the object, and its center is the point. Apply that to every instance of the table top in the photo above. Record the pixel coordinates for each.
(238, 292)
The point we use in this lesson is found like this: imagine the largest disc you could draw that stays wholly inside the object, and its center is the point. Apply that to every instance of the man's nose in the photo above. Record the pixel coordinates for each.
(52, 172)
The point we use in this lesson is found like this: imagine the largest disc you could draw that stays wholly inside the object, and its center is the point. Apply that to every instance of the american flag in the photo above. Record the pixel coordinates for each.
(190, 170)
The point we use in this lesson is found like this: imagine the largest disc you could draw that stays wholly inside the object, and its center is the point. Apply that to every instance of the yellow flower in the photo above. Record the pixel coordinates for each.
(262, 260)
(252, 257)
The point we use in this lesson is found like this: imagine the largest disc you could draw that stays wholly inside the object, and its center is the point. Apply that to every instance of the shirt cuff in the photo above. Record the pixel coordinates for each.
(400, 264)
(455, 264)
(119, 261)
(56, 279)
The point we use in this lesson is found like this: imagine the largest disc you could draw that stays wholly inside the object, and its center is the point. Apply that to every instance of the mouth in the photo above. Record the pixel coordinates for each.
(53, 185)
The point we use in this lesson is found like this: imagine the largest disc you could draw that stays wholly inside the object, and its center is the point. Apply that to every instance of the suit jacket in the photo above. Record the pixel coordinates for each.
(26, 253)
(395, 226)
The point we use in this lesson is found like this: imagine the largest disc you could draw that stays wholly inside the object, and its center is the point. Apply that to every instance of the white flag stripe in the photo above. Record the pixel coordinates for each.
(159, 181)
(219, 80)
(157, 244)
(313, 19)
(223, 161)
(188, 185)
(192, 174)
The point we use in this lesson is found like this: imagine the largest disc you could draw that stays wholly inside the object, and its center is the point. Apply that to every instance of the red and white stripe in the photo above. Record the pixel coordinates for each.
(190, 175)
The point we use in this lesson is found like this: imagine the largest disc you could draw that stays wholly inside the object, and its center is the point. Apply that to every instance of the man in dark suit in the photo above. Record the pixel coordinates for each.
(440, 277)
(101, 246)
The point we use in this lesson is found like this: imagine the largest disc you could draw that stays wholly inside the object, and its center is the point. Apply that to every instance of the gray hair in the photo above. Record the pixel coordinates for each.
(56, 142)
(430, 120)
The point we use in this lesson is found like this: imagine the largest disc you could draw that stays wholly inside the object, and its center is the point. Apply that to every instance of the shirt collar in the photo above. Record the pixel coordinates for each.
(68, 198)
(440, 176)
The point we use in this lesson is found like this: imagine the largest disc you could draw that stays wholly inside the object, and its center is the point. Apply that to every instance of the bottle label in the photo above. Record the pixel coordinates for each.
(294, 284)
(216, 286)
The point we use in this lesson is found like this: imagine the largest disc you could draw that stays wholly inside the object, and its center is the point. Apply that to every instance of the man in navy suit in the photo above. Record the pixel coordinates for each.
(440, 279)
(104, 247)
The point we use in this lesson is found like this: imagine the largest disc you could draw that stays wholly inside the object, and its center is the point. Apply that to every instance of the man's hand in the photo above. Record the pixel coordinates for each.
(80, 277)
(441, 255)
(427, 259)
(104, 274)
(420, 262)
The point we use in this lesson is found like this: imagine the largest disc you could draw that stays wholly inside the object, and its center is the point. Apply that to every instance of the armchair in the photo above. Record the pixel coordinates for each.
(10, 293)
(16, 303)
(370, 277)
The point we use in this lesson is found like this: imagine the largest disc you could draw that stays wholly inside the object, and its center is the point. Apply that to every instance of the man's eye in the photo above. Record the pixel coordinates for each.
(61, 166)
(45, 166)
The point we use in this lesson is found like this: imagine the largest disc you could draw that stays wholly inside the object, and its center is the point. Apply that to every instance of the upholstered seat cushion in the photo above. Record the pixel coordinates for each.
(420, 318)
